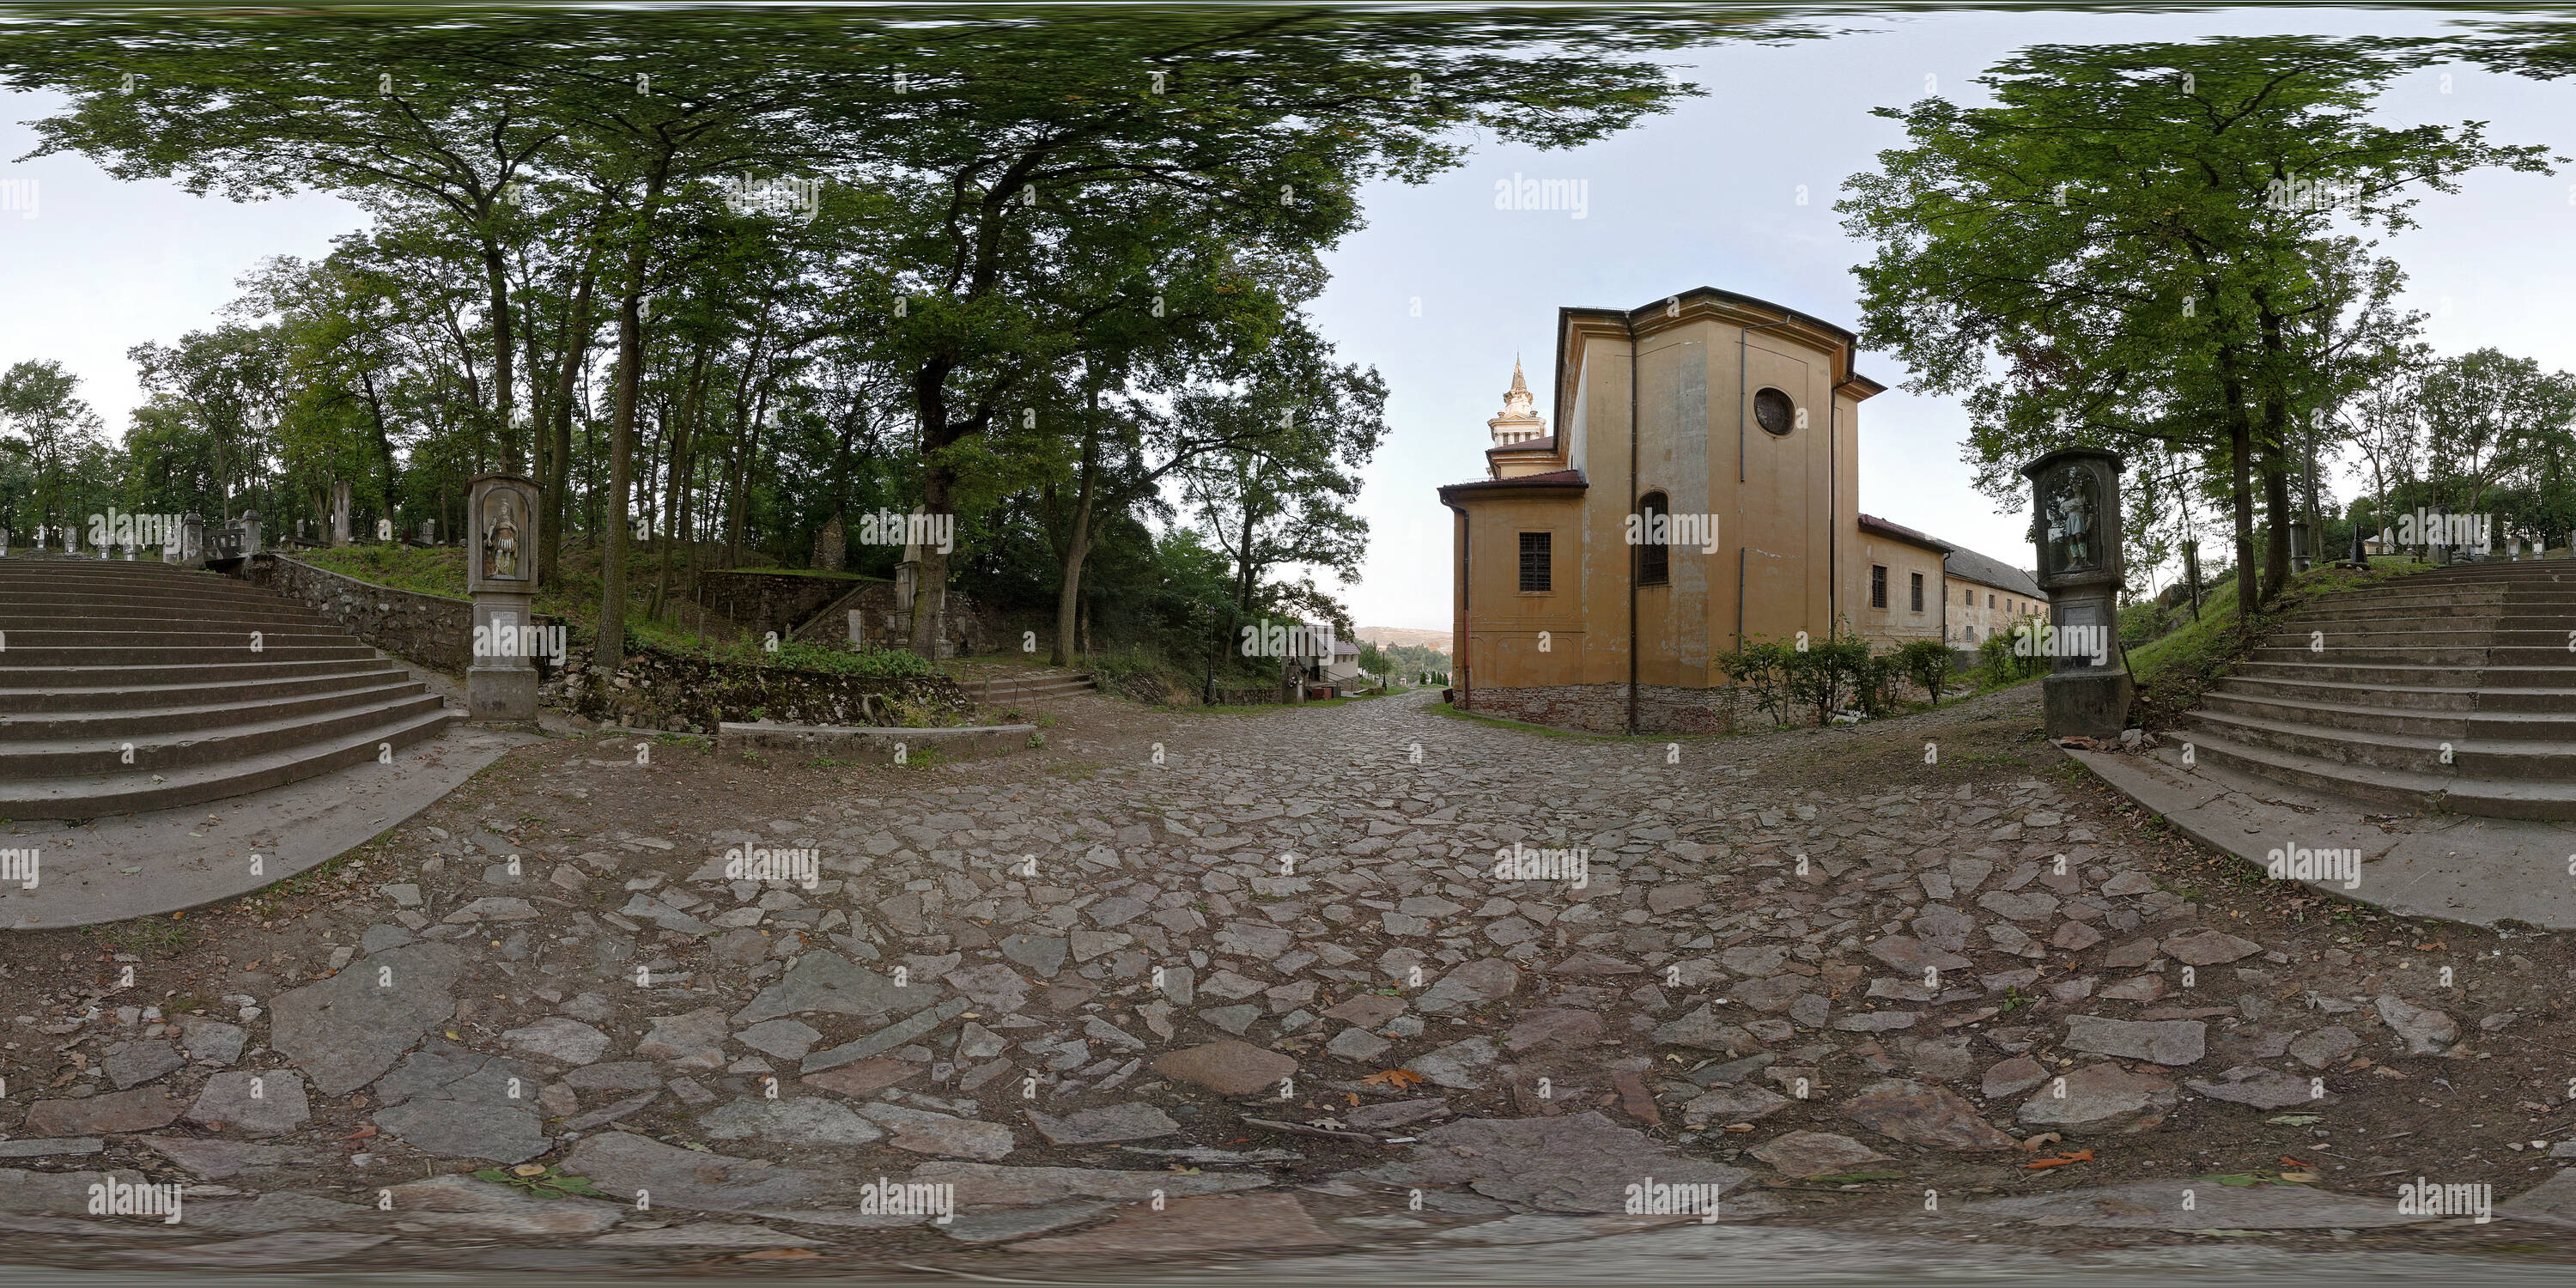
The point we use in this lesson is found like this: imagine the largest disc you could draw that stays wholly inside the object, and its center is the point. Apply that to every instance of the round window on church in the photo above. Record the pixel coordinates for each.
(1774, 411)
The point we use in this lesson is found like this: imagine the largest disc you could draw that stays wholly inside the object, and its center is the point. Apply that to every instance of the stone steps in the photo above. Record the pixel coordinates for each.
(1027, 688)
(68, 695)
(2461, 698)
(2414, 720)
(128, 687)
(2532, 800)
(2452, 689)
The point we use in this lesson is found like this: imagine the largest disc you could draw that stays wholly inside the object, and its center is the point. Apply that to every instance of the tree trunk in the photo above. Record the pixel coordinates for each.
(2240, 442)
(576, 351)
(1077, 546)
(496, 270)
(938, 495)
(930, 587)
(621, 449)
(2276, 501)
(676, 472)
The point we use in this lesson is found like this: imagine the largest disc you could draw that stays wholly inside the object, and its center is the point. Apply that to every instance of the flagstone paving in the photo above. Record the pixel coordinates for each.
(1183, 985)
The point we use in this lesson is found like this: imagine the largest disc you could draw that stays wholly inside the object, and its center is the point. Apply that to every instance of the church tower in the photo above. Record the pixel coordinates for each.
(1519, 421)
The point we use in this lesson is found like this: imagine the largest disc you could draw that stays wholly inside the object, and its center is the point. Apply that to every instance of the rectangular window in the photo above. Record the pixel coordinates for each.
(1968, 596)
(1990, 601)
(1877, 586)
(1534, 560)
(1918, 592)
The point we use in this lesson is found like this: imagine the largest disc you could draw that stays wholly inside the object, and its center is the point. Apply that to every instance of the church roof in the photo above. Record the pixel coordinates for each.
(1553, 480)
(1873, 523)
(1968, 565)
(1850, 341)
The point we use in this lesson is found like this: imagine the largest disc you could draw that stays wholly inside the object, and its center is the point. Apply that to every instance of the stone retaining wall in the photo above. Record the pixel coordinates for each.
(429, 630)
(656, 690)
(1603, 708)
(764, 600)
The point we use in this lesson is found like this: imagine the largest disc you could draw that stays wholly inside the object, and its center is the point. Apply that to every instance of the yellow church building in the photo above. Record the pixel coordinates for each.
(1701, 490)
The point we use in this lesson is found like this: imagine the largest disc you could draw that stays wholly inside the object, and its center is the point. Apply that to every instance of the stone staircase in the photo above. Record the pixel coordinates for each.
(2452, 689)
(134, 686)
(1029, 687)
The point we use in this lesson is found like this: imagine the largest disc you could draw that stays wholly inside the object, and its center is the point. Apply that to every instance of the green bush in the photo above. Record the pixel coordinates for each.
(1829, 675)
(1999, 663)
(1927, 663)
(1761, 669)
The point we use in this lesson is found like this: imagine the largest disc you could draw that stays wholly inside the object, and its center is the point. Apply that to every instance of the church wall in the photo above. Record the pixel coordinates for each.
(1898, 623)
(2009, 607)
(1503, 639)
(1604, 604)
(1786, 507)
(1674, 451)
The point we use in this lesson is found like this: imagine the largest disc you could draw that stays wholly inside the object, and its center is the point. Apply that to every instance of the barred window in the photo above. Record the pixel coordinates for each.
(1918, 592)
(1878, 585)
(1654, 556)
(1534, 560)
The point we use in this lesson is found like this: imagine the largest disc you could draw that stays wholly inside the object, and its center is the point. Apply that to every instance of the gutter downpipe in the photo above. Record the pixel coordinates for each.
(1633, 357)
(1462, 672)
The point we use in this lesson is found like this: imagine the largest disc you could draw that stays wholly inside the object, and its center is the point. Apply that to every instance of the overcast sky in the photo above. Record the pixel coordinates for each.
(1706, 196)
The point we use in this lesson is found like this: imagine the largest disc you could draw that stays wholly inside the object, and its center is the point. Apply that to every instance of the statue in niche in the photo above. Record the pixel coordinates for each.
(501, 542)
(2074, 520)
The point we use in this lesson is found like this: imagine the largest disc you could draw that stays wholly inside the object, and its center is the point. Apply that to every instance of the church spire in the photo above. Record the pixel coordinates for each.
(1519, 420)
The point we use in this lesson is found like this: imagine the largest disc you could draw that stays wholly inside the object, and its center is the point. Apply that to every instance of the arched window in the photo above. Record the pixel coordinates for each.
(1654, 549)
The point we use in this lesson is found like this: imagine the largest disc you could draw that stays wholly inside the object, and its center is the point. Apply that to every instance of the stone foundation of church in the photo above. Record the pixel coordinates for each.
(1603, 708)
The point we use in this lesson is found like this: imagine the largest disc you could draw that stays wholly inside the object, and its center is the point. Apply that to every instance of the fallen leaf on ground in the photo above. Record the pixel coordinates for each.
(2044, 1138)
(2079, 1156)
(361, 1133)
(1397, 1078)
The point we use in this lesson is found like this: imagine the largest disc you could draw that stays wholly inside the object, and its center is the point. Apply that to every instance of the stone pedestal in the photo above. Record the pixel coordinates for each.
(340, 506)
(501, 685)
(909, 601)
(500, 573)
(192, 541)
(2076, 530)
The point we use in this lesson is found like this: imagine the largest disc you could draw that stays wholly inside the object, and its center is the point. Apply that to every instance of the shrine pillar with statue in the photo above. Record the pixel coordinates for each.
(2075, 527)
(500, 573)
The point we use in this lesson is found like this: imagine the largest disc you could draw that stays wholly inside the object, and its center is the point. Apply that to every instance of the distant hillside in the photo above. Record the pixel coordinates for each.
(1399, 636)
